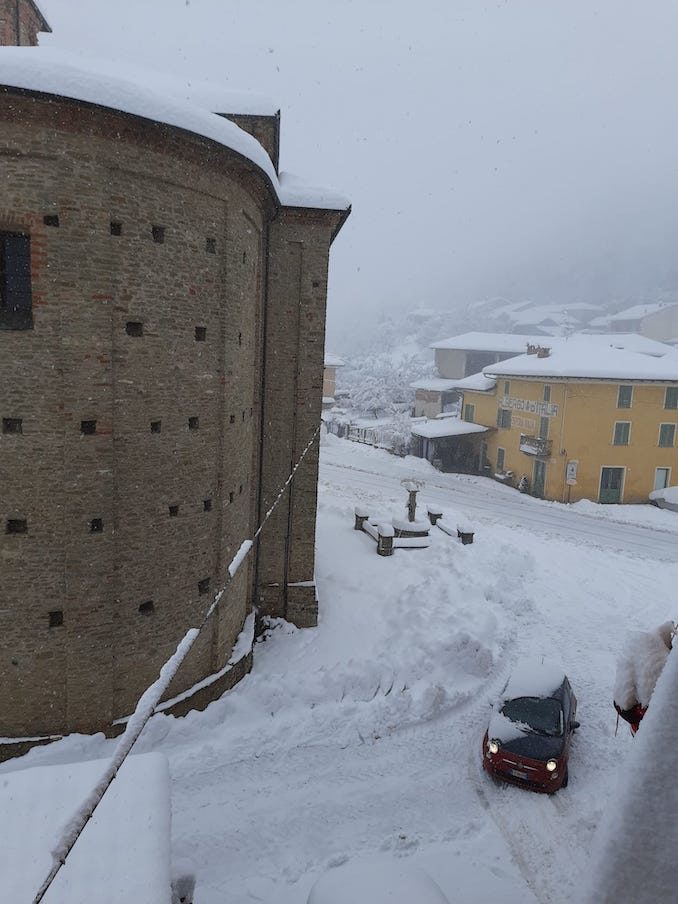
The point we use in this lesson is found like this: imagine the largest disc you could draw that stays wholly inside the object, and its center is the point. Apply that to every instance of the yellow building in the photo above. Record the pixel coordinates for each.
(581, 421)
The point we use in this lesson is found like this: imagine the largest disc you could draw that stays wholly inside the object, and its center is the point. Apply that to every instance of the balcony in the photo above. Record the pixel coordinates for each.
(535, 445)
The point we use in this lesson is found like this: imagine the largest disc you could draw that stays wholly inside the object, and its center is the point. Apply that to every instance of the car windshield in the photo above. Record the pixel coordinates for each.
(540, 714)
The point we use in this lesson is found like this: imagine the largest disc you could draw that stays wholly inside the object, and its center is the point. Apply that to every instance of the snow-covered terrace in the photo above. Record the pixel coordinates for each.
(47, 72)
(478, 382)
(448, 426)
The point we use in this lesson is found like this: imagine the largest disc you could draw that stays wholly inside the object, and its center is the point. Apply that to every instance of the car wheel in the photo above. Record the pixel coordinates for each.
(566, 778)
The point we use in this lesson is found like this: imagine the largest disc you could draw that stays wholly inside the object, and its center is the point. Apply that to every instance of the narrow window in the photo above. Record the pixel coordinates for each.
(239, 338)
(507, 387)
(51, 219)
(134, 328)
(240, 488)
(96, 526)
(16, 302)
(158, 233)
(200, 333)
(671, 398)
(88, 428)
(504, 418)
(243, 414)
(624, 396)
(116, 228)
(211, 246)
(174, 511)
(156, 426)
(56, 618)
(207, 505)
(204, 586)
(469, 413)
(12, 425)
(547, 393)
(231, 496)
(622, 433)
(147, 608)
(501, 453)
(17, 526)
(193, 423)
(543, 428)
(667, 435)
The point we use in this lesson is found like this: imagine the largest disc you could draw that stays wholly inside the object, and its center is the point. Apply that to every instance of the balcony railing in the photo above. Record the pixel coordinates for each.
(535, 445)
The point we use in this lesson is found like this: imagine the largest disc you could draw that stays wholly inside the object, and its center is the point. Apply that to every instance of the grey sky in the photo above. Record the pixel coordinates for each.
(523, 148)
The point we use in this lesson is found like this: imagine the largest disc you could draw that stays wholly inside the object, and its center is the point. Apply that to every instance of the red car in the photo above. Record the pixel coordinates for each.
(528, 739)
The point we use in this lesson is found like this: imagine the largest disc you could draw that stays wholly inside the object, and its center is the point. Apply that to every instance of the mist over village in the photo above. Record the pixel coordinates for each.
(338, 460)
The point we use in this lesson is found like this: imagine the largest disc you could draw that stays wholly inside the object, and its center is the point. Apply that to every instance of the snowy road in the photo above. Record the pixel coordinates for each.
(361, 739)
(488, 501)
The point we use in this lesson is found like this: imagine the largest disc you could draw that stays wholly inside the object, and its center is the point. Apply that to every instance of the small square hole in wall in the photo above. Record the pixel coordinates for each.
(316, 284)
(56, 618)
(207, 505)
(12, 425)
(200, 333)
(17, 526)
(51, 219)
(96, 526)
(193, 423)
(116, 228)
(156, 426)
(88, 428)
(204, 586)
(147, 608)
(134, 328)
(174, 511)
(232, 419)
(231, 496)
(158, 233)
(211, 246)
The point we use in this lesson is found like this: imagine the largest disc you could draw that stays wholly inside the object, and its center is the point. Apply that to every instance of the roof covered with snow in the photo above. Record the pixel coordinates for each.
(638, 311)
(534, 679)
(437, 428)
(124, 848)
(45, 71)
(584, 357)
(477, 382)
(488, 342)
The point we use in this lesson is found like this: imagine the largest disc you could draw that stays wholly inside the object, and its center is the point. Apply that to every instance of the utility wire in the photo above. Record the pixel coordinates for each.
(148, 703)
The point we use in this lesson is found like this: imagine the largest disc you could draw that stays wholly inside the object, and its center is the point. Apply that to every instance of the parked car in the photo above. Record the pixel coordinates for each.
(528, 739)
(376, 882)
(666, 498)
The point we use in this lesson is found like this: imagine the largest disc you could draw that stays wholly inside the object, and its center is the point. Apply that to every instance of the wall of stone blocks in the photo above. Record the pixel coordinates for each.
(148, 486)
(28, 21)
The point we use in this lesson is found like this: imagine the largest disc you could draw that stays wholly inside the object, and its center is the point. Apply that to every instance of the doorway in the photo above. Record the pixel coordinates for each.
(539, 479)
(661, 478)
(611, 484)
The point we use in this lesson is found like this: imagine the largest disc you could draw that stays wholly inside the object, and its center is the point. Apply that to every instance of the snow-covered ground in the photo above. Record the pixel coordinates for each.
(360, 740)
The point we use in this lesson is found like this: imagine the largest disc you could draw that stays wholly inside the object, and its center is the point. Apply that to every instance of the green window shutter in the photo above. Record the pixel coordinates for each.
(667, 435)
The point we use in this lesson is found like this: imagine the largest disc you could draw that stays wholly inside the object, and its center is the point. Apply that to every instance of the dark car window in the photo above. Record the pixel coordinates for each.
(541, 714)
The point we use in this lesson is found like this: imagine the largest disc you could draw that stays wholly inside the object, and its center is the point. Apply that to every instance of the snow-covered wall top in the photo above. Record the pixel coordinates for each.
(580, 358)
(48, 72)
(333, 360)
(490, 342)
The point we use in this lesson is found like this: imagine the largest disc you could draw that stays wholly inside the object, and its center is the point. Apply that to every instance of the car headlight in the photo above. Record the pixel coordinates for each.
(551, 765)
(493, 746)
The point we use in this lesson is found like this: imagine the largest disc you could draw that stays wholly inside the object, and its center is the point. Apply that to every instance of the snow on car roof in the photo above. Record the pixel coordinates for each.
(534, 679)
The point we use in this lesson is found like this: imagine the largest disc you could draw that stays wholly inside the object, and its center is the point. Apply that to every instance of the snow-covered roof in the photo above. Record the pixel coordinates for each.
(534, 679)
(488, 342)
(638, 311)
(584, 357)
(434, 384)
(449, 426)
(333, 360)
(124, 848)
(45, 71)
(478, 382)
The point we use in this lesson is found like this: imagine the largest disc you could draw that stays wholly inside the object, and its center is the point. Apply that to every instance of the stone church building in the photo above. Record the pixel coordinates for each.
(162, 319)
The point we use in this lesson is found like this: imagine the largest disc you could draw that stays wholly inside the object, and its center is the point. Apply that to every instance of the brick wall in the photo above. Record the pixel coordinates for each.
(175, 496)
(19, 23)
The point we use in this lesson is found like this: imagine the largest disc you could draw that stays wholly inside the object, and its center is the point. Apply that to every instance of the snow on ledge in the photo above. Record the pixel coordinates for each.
(46, 71)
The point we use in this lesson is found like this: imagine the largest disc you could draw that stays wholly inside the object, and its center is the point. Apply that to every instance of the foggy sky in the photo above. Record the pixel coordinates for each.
(525, 148)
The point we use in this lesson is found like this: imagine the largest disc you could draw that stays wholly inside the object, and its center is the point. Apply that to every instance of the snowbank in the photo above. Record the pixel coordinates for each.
(640, 665)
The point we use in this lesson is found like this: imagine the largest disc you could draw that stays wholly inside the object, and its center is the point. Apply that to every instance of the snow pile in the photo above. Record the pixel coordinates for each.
(640, 665)
(636, 844)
